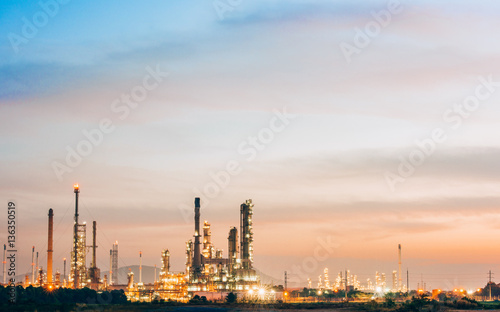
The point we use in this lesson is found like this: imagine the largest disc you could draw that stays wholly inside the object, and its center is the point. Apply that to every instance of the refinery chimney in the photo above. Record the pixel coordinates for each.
(94, 229)
(94, 272)
(197, 254)
(49, 249)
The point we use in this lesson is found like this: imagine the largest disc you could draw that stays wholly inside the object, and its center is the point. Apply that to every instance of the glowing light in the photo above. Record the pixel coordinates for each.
(470, 291)
(319, 293)
(479, 289)
(378, 289)
(76, 186)
(262, 291)
(250, 291)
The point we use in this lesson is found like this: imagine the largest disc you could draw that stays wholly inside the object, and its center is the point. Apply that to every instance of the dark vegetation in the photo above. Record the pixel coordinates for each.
(39, 299)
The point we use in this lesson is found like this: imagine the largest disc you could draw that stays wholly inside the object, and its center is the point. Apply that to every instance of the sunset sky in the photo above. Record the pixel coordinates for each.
(204, 79)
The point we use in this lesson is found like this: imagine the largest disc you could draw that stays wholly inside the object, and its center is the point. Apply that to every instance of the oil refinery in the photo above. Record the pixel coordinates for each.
(207, 269)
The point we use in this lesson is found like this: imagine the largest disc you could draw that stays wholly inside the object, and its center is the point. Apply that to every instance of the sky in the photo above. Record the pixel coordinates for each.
(354, 126)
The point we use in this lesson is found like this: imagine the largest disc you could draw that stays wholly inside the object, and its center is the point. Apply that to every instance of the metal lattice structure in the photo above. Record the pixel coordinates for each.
(81, 270)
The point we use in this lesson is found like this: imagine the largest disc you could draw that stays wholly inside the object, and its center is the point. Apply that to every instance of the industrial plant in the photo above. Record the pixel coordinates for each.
(207, 269)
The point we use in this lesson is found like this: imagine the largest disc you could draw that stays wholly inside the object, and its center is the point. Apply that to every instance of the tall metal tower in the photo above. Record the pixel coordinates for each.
(76, 281)
(246, 212)
(114, 264)
(78, 255)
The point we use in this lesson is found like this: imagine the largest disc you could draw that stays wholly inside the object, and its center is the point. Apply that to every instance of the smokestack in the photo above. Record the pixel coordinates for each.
(400, 281)
(37, 265)
(94, 230)
(197, 254)
(49, 249)
(94, 273)
(75, 239)
(33, 265)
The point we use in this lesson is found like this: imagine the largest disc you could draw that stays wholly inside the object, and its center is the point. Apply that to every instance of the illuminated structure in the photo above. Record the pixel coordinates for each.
(232, 247)
(327, 280)
(378, 283)
(78, 254)
(320, 282)
(207, 270)
(170, 286)
(78, 268)
(165, 263)
(246, 212)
